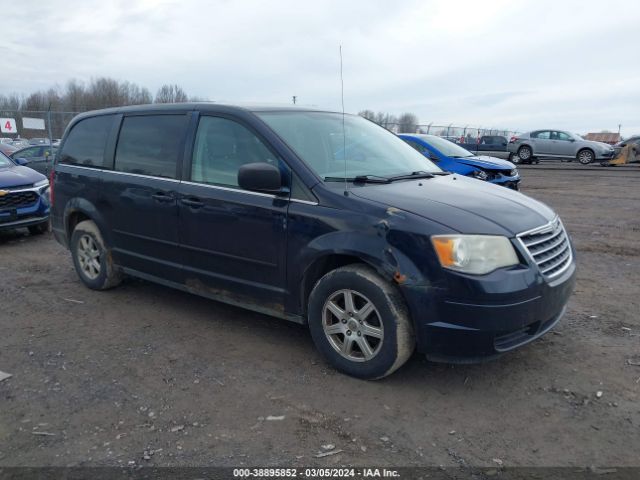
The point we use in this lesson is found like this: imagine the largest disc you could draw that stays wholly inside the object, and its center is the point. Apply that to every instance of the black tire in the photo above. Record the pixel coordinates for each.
(525, 153)
(39, 228)
(390, 317)
(86, 241)
(514, 158)
(585, 156)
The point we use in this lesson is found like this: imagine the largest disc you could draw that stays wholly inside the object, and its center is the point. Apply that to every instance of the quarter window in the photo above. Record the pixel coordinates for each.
(221, 147)
(151, 144)
(86, 142)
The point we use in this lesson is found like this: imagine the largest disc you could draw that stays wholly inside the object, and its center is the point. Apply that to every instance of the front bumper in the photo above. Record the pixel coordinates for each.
(510, 182)
(606, 155)
(488, 317)
(25, 215)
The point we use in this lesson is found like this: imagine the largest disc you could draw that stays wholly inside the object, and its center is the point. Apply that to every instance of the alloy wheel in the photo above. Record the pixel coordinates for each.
(89, 256)
(352, 325)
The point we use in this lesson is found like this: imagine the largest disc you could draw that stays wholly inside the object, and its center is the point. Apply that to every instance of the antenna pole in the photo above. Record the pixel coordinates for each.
(344, 135)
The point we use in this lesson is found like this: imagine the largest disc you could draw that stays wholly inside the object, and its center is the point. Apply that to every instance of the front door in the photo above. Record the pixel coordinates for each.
(232, 240)
(563, 145)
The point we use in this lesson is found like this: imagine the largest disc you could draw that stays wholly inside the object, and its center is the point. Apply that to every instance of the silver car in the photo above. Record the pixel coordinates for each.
(531, 146)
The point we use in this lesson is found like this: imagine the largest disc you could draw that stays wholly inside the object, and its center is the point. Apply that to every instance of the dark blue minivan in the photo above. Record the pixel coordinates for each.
(453, 158)
(379, 253)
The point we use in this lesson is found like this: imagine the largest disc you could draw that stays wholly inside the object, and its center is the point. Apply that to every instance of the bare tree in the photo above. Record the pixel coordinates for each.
(171, 94)
(368, 114)
(407, 123)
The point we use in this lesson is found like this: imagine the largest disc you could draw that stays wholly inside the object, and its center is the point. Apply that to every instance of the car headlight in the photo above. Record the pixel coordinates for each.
(513, 172)
(41, 183)
(475, 254)
(479, 174)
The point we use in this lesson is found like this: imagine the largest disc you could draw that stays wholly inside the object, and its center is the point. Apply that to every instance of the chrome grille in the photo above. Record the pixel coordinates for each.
(548, 246)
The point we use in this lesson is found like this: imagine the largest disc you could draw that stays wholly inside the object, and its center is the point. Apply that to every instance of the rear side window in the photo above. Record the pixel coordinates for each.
(151, 144)
(86, 142)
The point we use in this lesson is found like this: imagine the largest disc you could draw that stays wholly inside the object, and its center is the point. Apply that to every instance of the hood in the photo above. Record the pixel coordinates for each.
(602, 145)
(490, 163)
(463, 204)
(18, 176)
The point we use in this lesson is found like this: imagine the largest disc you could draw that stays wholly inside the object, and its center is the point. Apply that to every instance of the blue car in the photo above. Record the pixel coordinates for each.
(24, 197)
(453, 158)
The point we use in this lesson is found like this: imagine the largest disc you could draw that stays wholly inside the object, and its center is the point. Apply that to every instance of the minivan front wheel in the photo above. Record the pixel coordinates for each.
(360, 323)
(92, 260)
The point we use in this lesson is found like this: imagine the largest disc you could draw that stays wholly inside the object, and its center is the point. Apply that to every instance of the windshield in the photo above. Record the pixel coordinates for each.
(4, 161)
(445, 146)
(317, 138)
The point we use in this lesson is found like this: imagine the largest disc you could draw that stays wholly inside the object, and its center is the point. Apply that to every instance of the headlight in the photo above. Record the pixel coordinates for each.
(479, 174)
(41, 183)
(513, 172)
(475, 254)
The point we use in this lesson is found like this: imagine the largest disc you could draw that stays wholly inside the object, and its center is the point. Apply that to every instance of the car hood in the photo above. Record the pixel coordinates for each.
(18, 176)
(463, 204)
(484, 161)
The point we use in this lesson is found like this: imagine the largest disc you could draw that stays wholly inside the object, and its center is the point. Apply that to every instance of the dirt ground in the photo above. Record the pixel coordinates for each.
(147, 375)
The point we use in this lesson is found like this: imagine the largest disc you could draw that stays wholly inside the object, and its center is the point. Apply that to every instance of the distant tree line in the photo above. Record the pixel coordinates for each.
(76, 96)
(405, 123)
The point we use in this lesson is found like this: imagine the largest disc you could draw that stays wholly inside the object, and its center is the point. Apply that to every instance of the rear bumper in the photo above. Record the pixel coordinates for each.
(524, 308)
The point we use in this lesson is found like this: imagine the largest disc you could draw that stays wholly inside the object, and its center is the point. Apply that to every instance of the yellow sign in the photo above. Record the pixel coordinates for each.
(3, 193)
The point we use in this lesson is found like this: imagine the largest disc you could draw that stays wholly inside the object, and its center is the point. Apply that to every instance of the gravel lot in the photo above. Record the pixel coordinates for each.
(154, 376)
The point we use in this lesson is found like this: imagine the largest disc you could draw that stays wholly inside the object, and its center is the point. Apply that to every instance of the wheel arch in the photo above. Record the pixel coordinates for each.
(79, 209)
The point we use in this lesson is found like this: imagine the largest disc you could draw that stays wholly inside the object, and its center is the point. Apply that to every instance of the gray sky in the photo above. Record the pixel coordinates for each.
(514, 64)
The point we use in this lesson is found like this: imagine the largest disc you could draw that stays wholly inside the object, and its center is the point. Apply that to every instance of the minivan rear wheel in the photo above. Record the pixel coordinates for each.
(92, 260)
(360, 323)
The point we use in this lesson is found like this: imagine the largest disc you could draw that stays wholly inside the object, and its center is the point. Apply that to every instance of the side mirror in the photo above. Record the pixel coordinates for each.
(21, 161)
(572, 139)
(260, 177)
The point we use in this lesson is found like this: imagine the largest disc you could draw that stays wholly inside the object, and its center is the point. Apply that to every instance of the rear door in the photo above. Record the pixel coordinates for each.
(232, 240)
(139, 195)
(542, 143)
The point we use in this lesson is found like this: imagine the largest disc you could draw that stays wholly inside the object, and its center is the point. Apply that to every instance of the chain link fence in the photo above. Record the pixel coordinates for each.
(23, 125)
(55, 123)
(455, 133)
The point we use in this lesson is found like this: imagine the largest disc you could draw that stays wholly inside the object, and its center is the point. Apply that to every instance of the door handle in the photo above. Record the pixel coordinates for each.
(192, 202)
(162, 197)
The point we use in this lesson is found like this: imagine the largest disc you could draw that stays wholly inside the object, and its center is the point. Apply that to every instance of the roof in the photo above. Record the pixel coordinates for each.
(603, 137)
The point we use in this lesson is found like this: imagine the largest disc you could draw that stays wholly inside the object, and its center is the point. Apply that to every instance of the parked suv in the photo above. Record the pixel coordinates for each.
(24, 197)
(378, 251)
(531, 146)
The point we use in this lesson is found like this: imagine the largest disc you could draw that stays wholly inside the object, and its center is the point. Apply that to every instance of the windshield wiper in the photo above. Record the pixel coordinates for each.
(412, 175)
(359, 179)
